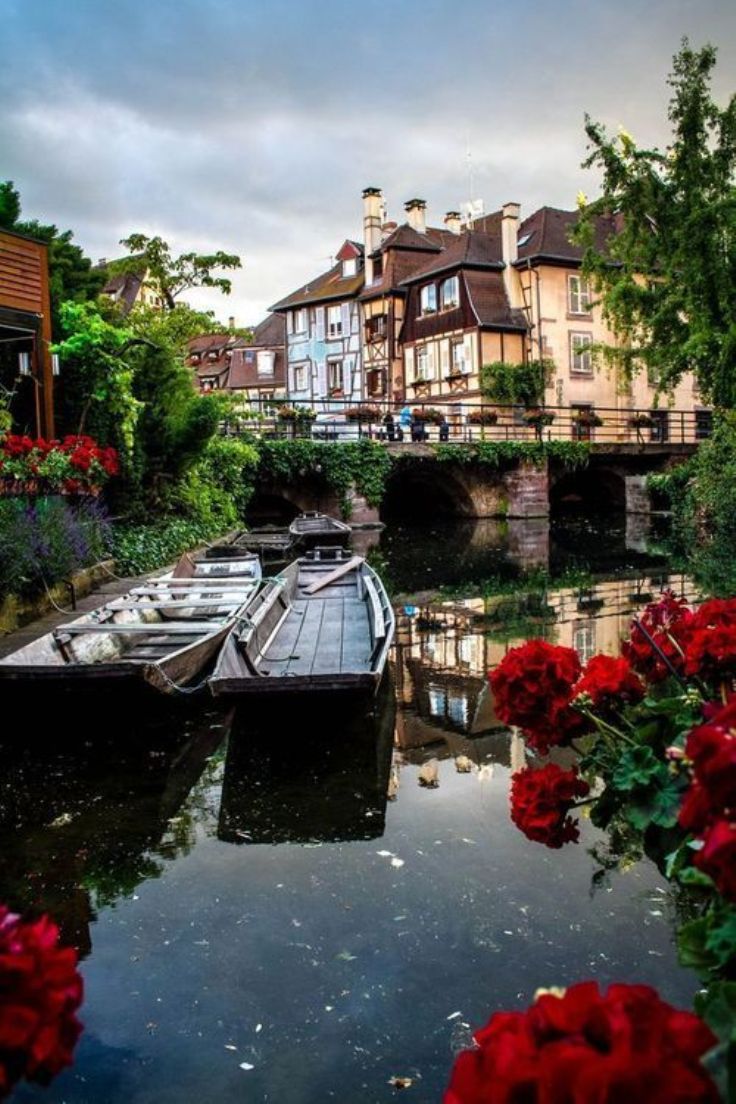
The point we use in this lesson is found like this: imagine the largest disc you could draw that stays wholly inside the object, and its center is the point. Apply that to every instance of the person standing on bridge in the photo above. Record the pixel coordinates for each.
(404, 422)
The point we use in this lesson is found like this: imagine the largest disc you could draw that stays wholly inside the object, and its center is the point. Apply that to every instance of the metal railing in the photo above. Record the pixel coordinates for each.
(471, 421)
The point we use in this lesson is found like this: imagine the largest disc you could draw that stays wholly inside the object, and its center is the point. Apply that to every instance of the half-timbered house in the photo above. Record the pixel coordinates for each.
(323, 332)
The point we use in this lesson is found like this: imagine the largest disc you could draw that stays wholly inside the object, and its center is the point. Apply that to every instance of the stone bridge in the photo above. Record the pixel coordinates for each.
(420, 485)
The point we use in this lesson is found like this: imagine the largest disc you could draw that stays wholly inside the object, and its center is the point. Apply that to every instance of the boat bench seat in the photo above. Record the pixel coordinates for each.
(171, 628)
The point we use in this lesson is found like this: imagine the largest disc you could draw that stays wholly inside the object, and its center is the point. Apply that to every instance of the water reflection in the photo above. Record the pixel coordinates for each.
(84, 818)
(395, 903)
(314, 772)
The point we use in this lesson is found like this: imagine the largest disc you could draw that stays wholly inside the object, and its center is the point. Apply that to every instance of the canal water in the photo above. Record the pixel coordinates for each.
(274, 908)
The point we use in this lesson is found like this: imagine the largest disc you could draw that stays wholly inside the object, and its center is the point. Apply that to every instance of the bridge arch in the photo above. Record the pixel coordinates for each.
(426, 489)
(594, 489)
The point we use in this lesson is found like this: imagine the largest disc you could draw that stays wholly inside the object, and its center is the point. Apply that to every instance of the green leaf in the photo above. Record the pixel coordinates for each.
(691, 876)
(692, 950)
(637, 767)
(717, 1006)
(721, 940)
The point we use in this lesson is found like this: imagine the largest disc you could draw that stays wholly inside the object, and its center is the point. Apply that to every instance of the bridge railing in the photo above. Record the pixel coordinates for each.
(471, 421)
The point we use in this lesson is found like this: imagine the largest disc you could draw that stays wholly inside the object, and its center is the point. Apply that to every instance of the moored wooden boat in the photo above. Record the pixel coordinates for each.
(324, 623)
(163, 633)
(219, 562)
(312, 530)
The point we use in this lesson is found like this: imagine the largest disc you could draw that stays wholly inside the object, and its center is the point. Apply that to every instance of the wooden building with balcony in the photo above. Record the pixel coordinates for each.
(25, 325)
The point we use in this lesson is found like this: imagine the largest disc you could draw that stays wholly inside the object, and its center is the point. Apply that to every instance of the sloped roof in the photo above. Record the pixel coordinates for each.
(488, 300)
(271, 331)
(547, 232)
(328, 285)
(473, 248)
(244, 369)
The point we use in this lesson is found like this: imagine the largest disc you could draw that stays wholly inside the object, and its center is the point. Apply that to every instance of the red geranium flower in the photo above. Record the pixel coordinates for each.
(587, 1048)
(15, 445)
(668, 623)
(696, 810)
(716, 611)
(541, 800)
(40, 991)
(712, 749)
(609, 683)
(717, 857)
(711, 652)
(532, 688)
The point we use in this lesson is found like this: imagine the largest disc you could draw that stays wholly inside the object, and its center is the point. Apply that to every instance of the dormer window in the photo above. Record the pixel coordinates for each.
(266, 359)
(350, 267)
(428, 299)
(449, 293)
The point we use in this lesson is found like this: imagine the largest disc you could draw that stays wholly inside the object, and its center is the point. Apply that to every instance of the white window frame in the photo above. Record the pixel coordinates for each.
(301, 379)
(299, 320)
(458, 364)
(450, 293)
(581, 358)
(578, 295)
(335, 375)
(424, 362)
(350, 267)
(428, 299)
(334, 321)
(265, 363)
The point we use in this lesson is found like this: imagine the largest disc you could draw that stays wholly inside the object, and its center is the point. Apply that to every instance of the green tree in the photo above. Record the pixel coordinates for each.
(176, 328)
(173, 275)
(660, 241)
(71, 276)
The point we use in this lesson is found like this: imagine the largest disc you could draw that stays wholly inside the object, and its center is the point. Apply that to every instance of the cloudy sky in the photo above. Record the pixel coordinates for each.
(253, 125)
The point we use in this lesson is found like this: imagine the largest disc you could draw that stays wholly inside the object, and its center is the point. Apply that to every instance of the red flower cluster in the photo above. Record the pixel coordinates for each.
(84, 450)
(40, 991)
(85, 464)
(668, 622)
(709, 808)
(609, 682)
(16, 445)
(586, 1047)
(711, 649)
(533, 688)
(541, 800)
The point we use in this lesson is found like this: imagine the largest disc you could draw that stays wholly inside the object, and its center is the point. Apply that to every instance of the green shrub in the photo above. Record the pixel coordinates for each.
(140, 548)
(516, 384)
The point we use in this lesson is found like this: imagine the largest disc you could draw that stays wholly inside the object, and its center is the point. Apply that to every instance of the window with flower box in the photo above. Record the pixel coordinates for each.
(449, 293)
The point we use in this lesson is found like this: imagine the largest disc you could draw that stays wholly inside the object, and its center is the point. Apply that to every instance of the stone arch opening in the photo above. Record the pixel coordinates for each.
(420, 491)
(271, 509)
(590, 490)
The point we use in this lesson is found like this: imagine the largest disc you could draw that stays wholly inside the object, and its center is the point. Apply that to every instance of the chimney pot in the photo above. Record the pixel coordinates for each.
(231, 322)
(416, 210)
(510, 252)
(372, 219)
(453, 221)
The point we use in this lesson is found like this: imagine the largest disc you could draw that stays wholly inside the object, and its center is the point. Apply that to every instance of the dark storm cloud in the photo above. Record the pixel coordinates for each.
(253, 126)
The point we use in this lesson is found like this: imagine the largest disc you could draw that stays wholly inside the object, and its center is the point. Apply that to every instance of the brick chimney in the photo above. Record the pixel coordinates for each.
(453, 222)
(416, 211)
(510, 252)
(372, 220)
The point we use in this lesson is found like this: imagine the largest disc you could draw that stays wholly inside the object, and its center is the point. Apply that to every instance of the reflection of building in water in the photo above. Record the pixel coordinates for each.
(443, 652)
(281, 786)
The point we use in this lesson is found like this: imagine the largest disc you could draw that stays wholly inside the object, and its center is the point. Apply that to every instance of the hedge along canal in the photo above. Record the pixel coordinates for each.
(272, 907)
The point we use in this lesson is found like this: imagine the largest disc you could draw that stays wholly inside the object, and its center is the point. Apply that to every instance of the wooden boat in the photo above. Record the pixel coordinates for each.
(221, 561)
(271, 544)
(324, 623)
(163, 633)
(312, 530)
